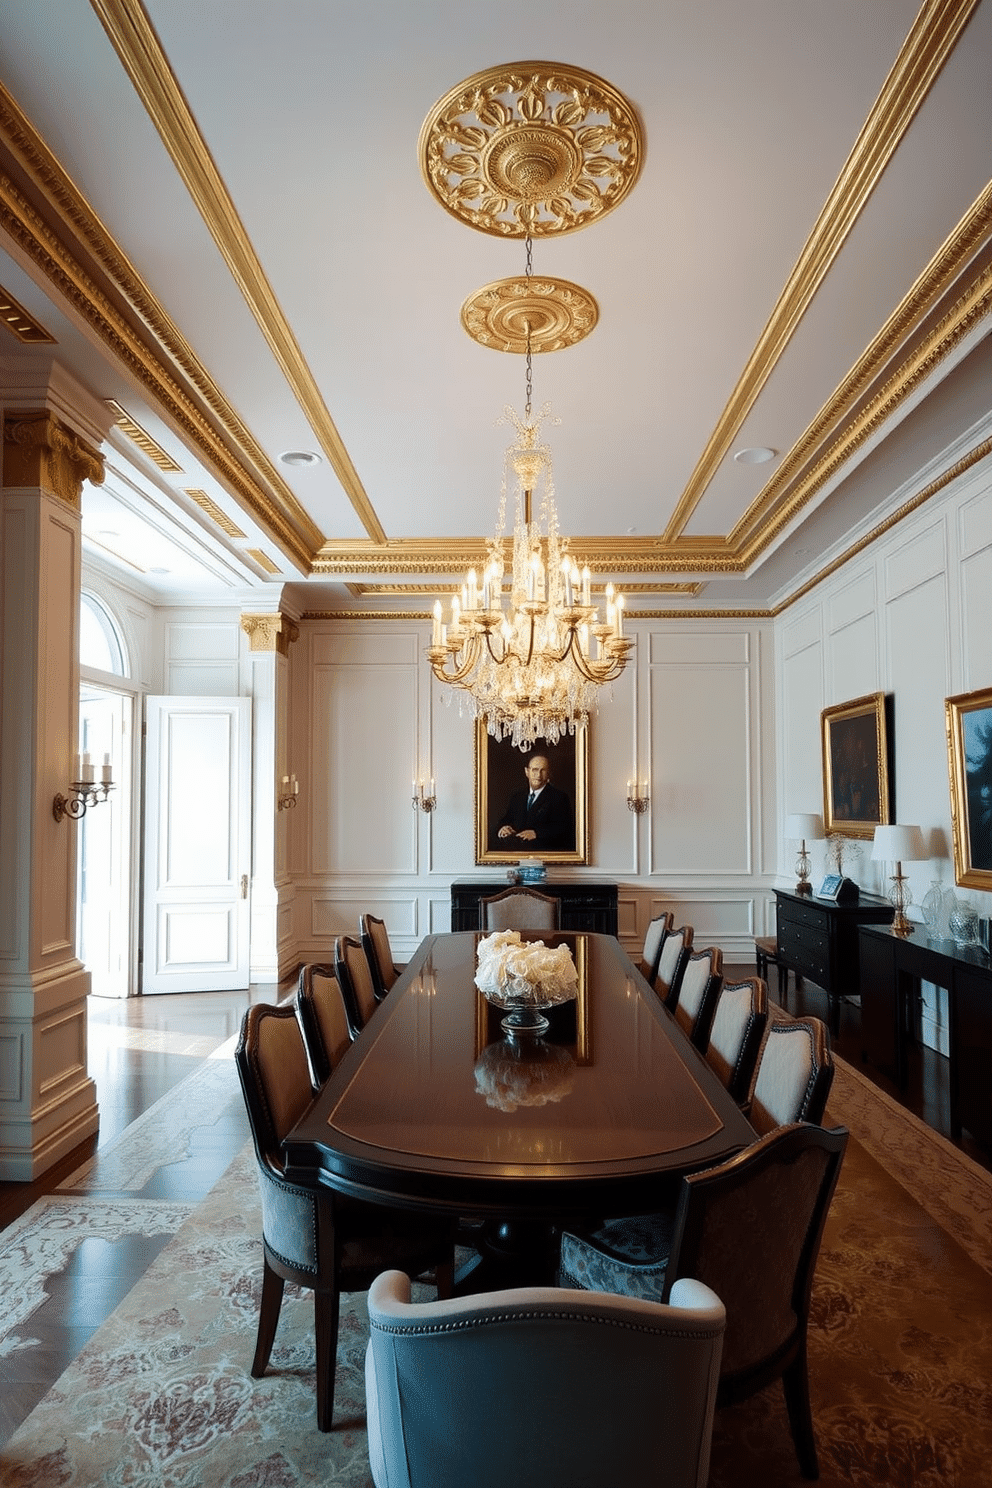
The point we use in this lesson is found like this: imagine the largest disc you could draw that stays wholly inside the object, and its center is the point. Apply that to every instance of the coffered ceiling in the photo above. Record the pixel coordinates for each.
(215, 218)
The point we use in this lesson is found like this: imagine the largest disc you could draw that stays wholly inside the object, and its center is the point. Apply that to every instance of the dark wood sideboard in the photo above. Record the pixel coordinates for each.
(818, 939)
(583, 904)
(892, 967)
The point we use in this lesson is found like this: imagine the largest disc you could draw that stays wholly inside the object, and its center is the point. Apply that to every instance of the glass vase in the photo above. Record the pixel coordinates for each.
(963, 923)
(932, 906)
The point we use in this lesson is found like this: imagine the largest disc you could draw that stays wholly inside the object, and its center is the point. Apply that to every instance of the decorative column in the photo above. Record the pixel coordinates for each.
(270, 635)
(47, 1099)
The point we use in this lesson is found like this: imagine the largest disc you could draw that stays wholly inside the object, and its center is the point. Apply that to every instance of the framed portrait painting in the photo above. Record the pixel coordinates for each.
(969, 759)
(531, 804)
(857, 773)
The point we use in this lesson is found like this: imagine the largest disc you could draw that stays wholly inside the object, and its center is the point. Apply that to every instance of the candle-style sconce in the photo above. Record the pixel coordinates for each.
(424, 795)
(638, 796)
(290, 790)
(86, 791)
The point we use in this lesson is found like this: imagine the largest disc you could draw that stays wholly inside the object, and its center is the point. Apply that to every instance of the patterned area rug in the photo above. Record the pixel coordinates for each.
(900, 1352)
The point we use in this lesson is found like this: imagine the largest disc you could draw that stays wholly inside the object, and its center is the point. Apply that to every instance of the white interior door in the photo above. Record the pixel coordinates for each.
(197, 844)
(104, 904)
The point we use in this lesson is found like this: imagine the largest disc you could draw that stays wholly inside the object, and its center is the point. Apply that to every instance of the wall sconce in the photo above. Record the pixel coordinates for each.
(85, 791)
(899, 845)
(798, 828)
(424, 796)
(638, 797)
(290, 791)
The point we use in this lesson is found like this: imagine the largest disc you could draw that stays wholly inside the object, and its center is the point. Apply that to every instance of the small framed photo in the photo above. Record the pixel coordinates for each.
(857, 773)
(969, 758)
(531, 804)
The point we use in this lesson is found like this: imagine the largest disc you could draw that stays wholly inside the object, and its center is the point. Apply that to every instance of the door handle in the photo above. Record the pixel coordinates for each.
(244, 886)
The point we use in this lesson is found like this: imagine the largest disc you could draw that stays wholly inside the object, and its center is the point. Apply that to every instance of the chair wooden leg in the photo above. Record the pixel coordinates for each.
(325, 1310)
(268, 1318)
(795, 1382)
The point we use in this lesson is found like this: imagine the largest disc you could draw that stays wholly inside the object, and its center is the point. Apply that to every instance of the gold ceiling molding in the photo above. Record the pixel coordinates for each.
(66, 235)
(542, 314)
(531, 149)
(263, 560)
(931, 40)
(410, 591)
(215, 512)
(139, 436)
(20, 323)
(134, 39)
(454, 555)
(944, 272)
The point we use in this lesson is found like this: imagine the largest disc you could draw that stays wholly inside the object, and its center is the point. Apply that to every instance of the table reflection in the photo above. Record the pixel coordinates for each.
(512, 1073)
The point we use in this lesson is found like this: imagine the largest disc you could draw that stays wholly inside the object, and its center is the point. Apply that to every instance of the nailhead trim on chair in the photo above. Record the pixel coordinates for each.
(461, 1325)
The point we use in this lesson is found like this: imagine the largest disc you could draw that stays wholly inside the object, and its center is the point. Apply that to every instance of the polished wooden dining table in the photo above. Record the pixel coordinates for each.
(434, 1108)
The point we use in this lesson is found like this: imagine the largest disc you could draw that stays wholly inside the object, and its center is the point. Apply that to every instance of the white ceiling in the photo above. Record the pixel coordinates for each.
(289, 281)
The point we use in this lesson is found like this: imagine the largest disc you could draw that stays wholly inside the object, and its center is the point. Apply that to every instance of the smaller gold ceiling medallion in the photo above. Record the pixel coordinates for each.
(555, 312)
(531, 149)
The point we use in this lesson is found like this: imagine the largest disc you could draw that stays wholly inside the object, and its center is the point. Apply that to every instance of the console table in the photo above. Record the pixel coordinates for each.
(582, 903)
(892, 967)
(818, 939)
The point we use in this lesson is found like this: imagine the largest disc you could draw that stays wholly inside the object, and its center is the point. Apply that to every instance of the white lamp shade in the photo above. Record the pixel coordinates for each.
(898, 845)
(804, 827)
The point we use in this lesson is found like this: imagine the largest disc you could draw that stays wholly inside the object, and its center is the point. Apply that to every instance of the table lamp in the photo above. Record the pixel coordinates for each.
(798, 828)
(899, 845)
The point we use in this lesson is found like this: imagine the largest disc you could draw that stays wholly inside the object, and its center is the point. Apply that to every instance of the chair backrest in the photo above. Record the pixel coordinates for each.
(794, 1074)
(752, 1226)
(657, 932)
(519, 909)
(736, 1032)
(592, 1388)
(323, 1019)
(674, 954)
(351, 966)
(699, 988)
(375, 939)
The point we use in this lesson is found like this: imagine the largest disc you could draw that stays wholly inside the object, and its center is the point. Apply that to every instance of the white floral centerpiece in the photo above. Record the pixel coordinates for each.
(524, 976)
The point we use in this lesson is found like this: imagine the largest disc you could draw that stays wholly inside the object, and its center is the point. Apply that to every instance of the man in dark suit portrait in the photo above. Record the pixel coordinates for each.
(539, 817)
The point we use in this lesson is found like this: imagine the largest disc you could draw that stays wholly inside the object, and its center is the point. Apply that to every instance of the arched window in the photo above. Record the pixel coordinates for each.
(100, 643)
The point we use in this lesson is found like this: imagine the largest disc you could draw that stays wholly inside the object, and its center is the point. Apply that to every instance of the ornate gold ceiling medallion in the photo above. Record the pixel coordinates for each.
(553, 312)
(531, 149)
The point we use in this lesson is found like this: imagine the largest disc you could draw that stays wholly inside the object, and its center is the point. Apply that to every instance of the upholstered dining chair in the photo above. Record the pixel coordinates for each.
(375, 939)
(750, 1229)
(323, 1019)
(315, 1237)
(654, 938)
(674, 954)
(354, 974)
(519, 909)
(540, 1388)
(699, 988)
(736, 1033)
(794, 1074)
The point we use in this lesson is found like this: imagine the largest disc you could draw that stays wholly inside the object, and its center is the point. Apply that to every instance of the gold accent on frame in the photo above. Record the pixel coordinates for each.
(531, 148)
(41, 451)
(20, 323)
(139, 436)
(542, 314)
(215, 513)
(857, 789)
(139, 49)
(969, 760)
(263, 560)
(931, 40)
(271, 631)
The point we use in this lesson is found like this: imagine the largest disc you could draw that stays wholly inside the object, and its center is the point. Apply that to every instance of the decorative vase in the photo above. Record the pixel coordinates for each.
(932, 907)
(963, 923)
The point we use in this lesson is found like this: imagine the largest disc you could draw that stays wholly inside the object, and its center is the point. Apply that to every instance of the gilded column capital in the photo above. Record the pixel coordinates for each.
(271, 631)
(39, 450)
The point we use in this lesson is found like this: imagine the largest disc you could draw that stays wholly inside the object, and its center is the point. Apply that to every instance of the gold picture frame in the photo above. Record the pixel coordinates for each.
(501, 778)
(969, 761)
(857, 778)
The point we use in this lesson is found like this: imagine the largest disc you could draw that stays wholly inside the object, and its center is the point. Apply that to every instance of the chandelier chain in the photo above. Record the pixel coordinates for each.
(529, 274)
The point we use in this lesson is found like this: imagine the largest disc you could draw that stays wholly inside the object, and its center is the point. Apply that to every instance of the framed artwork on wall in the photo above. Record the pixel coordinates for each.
(969, 759)
(555, 827)
(857, 773)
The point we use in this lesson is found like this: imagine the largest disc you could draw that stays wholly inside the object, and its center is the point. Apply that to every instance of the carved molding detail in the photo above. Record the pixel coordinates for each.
(557, 313)
(39, 450)
(270, 632)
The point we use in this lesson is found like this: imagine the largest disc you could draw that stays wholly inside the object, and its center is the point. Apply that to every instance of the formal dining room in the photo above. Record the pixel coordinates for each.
(495, 743)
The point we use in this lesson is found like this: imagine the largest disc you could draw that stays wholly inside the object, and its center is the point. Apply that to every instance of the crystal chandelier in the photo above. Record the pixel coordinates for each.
(529, 649)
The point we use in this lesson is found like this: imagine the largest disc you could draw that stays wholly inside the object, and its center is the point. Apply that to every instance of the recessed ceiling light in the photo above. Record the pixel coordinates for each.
(300, 457)
(760, 455)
